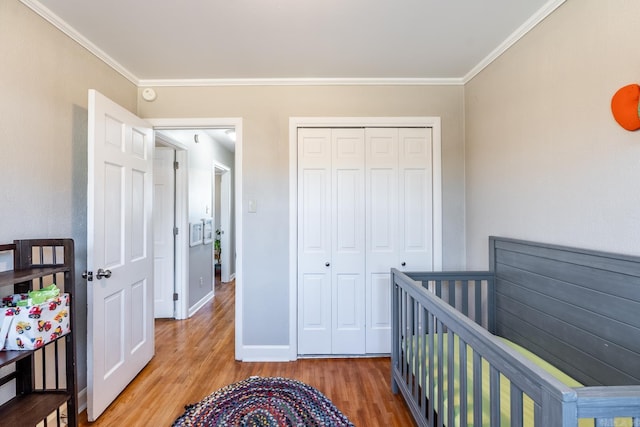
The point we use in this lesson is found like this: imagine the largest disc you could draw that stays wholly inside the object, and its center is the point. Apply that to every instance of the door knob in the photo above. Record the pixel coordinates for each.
(103, 273)
(327, 264)
(403, 264)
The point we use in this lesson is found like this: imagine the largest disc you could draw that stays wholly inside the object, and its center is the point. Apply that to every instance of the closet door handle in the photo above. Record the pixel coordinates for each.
(403, 264)
(327, 264)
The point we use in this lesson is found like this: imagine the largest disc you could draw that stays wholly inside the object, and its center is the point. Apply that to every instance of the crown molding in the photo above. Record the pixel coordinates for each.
(302, 82)
(539, 16)
(71, 32)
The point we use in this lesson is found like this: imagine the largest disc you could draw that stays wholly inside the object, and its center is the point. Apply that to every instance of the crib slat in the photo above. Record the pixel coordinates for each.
(537, 415)
(464, 285)
(516, 406)
(463, 383)
(439, 327)
(477, 295)
(477, 389)
(430, 336)
(415, 356)
(494, 396)
(450, 378)
(452, 292)
(424, 318)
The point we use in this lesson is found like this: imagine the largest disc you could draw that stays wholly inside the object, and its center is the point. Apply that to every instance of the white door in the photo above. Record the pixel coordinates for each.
(415, 248)
(314, 241)
(348, 244)
(163, 236)
(399, 218)
(382, 233)
(331, 241)
(119, 243)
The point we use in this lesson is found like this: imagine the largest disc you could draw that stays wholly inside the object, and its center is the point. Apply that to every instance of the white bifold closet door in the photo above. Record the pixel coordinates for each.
(331, 243)
(365, 202)
(399, 219)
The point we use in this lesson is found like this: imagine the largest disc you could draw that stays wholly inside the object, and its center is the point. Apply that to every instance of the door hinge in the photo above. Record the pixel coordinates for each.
(175, 231)
(175, 296)
(176, 165)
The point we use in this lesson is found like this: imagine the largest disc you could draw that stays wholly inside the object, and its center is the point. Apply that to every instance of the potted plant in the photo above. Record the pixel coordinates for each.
(216, 247)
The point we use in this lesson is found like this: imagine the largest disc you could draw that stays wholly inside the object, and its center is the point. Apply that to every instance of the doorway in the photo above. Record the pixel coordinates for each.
(234, 175)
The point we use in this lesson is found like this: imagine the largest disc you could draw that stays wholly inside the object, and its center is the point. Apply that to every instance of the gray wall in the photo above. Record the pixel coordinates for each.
(201, 157)
(545, 159)
(44, 82)
(265, 112)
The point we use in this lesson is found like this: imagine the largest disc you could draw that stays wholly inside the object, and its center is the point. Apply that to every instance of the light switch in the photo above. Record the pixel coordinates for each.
(253, 206)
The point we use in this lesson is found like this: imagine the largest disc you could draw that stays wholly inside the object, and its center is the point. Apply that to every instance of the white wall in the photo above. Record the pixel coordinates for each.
(265, 113)
(545, 159)
(44, 82)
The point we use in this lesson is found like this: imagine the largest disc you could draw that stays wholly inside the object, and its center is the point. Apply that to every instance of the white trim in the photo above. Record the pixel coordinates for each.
(297, 122)
(390, 81)
(71, 32)
(236, 123)
(266, 353)
(197, 306)
(534, 20)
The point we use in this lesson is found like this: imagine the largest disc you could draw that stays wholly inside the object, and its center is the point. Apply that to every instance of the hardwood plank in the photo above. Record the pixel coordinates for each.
(195, 357)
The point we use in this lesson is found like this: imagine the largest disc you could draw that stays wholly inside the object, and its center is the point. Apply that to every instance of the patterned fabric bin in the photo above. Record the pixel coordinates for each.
(30, 327)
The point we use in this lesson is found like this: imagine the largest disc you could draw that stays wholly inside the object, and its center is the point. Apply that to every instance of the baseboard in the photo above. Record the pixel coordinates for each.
(197, 306)
(82, 400)
(232, 277)
(266, 353)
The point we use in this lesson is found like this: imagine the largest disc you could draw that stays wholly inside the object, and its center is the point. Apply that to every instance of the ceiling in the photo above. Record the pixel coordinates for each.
(169, 42)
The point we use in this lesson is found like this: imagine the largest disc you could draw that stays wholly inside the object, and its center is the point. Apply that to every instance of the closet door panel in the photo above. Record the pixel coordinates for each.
(314, 241)
(382, 233)
(348, 248)
(416, 199)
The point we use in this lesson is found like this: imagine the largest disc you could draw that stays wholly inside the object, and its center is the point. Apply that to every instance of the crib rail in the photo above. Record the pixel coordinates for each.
(447, 365)
(610, 406)
(472, 293)
(438, 392)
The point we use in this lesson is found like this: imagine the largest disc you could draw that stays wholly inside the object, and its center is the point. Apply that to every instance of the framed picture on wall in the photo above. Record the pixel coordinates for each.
(208, 230)
(195, 233)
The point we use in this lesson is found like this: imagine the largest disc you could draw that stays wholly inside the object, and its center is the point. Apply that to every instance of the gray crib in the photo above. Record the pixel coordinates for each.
(454, 334)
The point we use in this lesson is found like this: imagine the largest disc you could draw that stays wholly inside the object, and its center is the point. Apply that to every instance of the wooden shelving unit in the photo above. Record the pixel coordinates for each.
(44, 379)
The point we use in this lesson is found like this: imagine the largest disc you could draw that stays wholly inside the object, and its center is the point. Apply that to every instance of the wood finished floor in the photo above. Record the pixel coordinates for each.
(195, 357)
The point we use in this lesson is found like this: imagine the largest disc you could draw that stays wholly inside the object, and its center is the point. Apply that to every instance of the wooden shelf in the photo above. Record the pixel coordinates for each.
(30, 409)
(17, 276)
(31, 406)
(11, 356)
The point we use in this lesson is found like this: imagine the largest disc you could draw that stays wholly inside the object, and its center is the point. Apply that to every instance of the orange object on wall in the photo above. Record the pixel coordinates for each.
(625, 106)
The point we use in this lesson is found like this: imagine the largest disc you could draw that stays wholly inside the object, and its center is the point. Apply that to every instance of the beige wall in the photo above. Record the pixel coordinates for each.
(544, 158)
(265, 112)
(44, 79)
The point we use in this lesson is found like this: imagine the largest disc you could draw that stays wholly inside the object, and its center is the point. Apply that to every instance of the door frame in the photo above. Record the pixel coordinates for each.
(194, 123)
(225, 218)
(336, 122)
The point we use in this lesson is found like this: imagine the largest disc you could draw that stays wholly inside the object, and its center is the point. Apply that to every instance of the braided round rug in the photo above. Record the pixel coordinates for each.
(264, 402)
